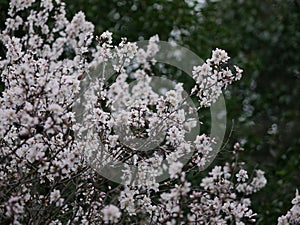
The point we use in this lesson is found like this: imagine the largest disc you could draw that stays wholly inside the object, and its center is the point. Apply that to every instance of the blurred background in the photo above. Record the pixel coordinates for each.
(263, 38)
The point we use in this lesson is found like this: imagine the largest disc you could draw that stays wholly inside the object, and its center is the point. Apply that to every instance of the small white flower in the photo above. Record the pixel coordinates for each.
(111, 214)
(242, 175)
(296, 200)
(106, 36)
(174, 169)
(55, 197)
(219, 55)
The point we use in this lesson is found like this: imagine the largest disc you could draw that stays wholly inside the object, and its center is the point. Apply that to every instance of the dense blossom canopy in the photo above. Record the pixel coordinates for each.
(52, 156)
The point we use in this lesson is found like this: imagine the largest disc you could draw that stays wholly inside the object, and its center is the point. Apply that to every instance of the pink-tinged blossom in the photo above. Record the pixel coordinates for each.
(293, 215)
(111, 214)
(242, 175)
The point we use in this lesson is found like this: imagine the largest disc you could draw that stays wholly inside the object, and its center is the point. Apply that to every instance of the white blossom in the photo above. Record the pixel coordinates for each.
(111, 214)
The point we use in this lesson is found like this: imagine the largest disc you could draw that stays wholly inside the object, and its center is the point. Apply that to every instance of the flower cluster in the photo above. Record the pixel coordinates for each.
(293, 215)
(42, 173)
(213, 76)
